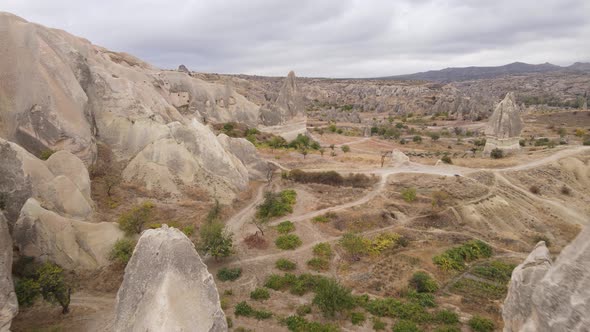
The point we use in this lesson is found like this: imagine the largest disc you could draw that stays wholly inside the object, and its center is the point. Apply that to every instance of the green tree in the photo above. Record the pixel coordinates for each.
(331, 297)
(122, 251)
(132, 221)
(345, 148)
(215, 240)
(27, 291)
(53, 287)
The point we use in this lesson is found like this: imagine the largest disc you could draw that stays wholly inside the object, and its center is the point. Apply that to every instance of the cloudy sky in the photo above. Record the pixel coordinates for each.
(332, 38)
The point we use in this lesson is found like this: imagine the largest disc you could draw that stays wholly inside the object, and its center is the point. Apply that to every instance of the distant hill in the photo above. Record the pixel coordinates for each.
(474, 73)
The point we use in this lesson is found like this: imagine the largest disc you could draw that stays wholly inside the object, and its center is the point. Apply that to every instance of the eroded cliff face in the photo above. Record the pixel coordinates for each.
(8, 302)
(551, 297)
(167, 287)
(60, 92)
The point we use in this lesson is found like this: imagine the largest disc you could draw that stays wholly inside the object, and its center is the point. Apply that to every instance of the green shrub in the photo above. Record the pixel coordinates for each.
(260, 294)
(188, 230)
(481, 324)
(303, 310)
(345, 148)
(285, 227)
(405, 326)
(53, 286)
(378, 324)
(284, 264)
(423, 299)
(409, 194)
(497, 153)
(357, 318)
(417, 139)
(423, 282)
(447, 328)
(446, 317)
(331, 297)
(480, 289)
(318, 264)
(45, 154)
(323, 250)
(27, 290)
(244, 309)
(331, 178)
(122, 251)
(229, 274)
(276, 204)
(288, 242)
(132, 221)
(300, 324)
(455, 258)
(494, 270)
(434, 136)
(215, 240)
(354, 245)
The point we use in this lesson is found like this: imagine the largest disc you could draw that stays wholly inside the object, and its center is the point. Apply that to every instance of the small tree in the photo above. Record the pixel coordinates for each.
(53, 286)
(345, 148)
(132, 221)
(122, 251)
(304, 152)
(497, 153)
(354, 245)
(331, 297)
(215, 240)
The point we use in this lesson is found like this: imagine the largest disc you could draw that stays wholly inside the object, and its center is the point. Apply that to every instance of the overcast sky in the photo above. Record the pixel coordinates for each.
(333, 38)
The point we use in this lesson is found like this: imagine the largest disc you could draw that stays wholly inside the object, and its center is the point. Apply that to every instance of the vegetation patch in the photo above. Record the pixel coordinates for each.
(480, 289)
(318, 264)
(323, 250)
(277, 204)
(331, 178)
(132, 221)
(456, 257)
(422, 282)
(260, 294)
(46, 280)
(409, 194)
(494, 270)
(244, 309)
(229, 274)
(122, 251)
(300, 324)
(288, 242)
(481, 324)
(284, 264)
(285, 227)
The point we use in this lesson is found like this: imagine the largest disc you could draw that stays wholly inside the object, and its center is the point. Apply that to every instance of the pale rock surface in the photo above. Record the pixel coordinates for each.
(399, 158)
(8, 302)
(167, 287)
(61, 183)
(70, 243)
(246, 152)
(525, 277)
(504, 127)
(551, 297)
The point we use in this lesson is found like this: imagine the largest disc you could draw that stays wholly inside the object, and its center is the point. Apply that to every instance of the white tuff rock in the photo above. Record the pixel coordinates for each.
(167, 287)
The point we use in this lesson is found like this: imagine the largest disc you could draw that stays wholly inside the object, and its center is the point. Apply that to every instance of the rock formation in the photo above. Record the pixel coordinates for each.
(167, 287)
(286, 116)
(70, 243)
(61, 182)
(8, 302)
(399, 158)
(525, 277)
(504, 127)
(560, 300)
(247, 154)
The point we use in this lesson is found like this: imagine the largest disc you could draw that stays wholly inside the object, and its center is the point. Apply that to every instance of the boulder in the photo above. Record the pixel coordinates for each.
(525, 277)
(70, 243)
(8, 302)
(246, 152)
(167, 287)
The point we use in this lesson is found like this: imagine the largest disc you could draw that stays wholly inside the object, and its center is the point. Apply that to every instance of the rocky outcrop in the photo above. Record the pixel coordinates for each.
(8, 302)
(560, 300)
(70, 243)
(246, 152)
(167, 287)
(525, 277)
(504, 127)
(61, 183)
(399, 158)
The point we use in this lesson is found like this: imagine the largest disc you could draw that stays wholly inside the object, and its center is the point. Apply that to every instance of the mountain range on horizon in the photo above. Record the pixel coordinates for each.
(476, 72)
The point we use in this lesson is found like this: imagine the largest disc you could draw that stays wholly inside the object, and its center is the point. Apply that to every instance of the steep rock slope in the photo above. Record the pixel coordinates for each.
(8, 302)
(60, 92)
(167, 287)
(560, 299)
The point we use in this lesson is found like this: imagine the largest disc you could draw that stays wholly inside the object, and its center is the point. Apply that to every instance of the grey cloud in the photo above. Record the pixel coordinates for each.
(333, 38)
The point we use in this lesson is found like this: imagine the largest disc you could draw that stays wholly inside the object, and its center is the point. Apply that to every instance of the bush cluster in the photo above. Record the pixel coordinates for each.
(260, 294)
(300, 324)
(284, 264)
(244, 309)
(229, 274)
(277, 204)
(331, 178)
(456, 257)
(494, 270)
(285, 227)
(497, 153)
(296, 284)
(423, 283)
(288, 242)
(318, 264)
(481, 324)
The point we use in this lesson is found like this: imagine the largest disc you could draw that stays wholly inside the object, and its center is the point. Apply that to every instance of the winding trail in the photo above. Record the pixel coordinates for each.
(237, 223)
